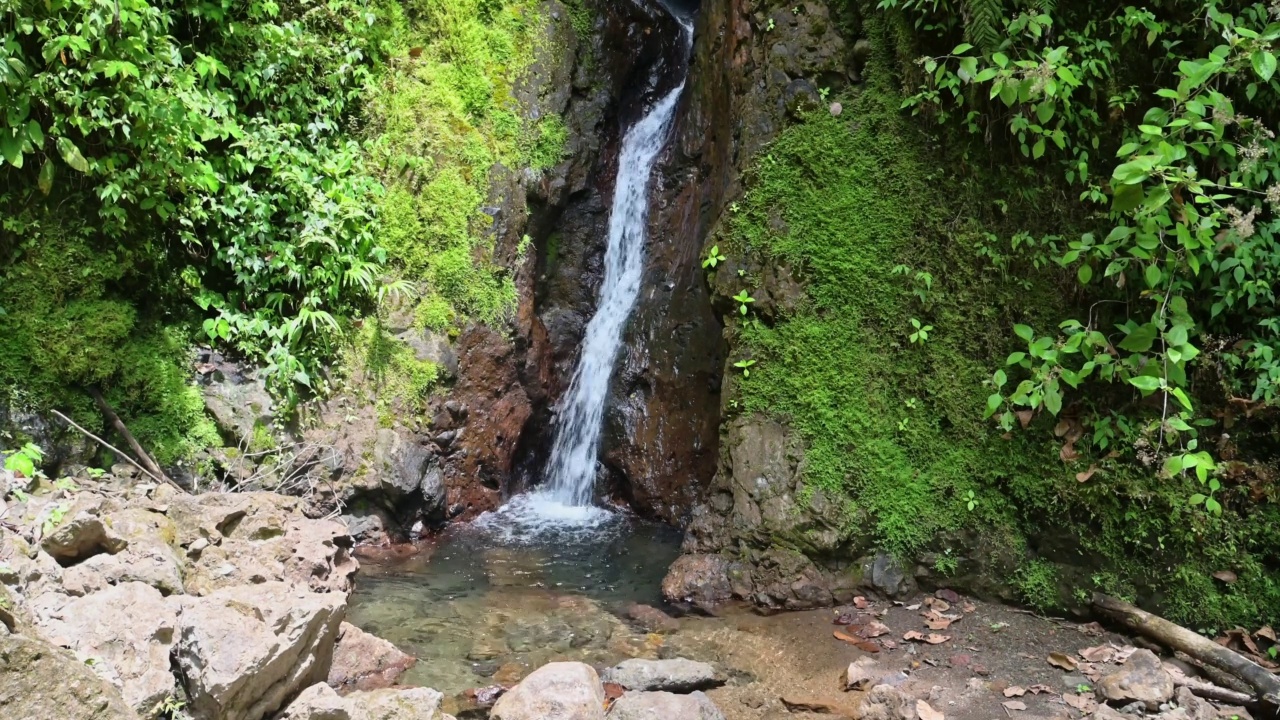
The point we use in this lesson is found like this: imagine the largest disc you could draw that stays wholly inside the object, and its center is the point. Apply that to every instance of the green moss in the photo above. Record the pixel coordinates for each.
(897, 427)
(548, 147)
(403, 383)
(1037, 585)
(75, 318)
(442, 117)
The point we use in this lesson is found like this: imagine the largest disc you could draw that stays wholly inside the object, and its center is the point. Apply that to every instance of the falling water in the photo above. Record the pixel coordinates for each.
(564, 500)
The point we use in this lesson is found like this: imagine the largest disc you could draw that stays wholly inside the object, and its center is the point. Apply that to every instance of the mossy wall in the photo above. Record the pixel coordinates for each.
(886, 225)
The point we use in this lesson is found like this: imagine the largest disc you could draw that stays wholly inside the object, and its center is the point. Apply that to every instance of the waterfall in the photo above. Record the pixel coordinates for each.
(572, 465)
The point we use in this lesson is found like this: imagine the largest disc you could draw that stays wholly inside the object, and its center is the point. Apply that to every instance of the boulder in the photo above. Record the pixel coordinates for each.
(886, 702)
(38, 681)
(127, 631)
(886, 574)
(558, 691)
(318, 702)
(1196, 708)
(244, 651)
(362, 661)
(146, 561)
(81, 534)
(676, 675)
(1142, 679)
(701, 579)
(650, 619)
(321, 702)
(1105, 712)
(664, 706)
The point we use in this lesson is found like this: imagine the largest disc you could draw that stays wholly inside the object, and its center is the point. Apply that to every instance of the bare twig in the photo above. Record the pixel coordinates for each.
(116, 450)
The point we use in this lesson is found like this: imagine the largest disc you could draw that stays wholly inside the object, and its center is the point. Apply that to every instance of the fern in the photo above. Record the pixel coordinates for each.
(983, 22)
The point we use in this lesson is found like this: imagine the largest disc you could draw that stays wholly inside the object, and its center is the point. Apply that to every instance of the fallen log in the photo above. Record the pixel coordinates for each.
(117, 451)
(1176, 637)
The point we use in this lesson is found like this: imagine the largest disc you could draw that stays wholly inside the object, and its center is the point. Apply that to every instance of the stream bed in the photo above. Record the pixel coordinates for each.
(487, 602)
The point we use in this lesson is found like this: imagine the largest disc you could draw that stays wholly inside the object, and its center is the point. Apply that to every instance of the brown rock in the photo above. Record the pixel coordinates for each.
(651, 619)
(699, 579)
(1141, 678)
(40, 681)
(362, 661)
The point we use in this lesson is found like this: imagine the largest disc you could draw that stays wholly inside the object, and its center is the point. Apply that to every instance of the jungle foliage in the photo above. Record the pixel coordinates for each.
(250, 175)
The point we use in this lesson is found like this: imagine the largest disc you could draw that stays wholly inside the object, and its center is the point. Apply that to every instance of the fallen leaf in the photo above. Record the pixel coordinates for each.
(872, 630)
(926, 711)
(1084, 476)
(860, 603)
(1266, 632)
(1068, 453)
(911, 607)
(1061, 660)
(1099, 653)
(1040, 689)
(1014, 704)
(968, 607)
(844, 619)
(937, 623)
(936, 639)
(937, 604)
(1014, 691)
(913, 635)
(859, 643)
(888, 644)
(1225, 576)
(1024, 418)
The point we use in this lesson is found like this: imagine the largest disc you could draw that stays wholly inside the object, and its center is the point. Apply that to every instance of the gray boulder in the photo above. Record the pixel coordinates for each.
(676, 675)
(1142, 678)
(321, 702)
(127, 632)
(664, 706)
(38, 680)
(243, 651)
(558, 691)
(82, 534)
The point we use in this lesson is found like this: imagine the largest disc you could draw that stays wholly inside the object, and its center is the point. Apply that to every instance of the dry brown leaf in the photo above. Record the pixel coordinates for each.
(888, 644)
(415, 52)
(1040, 689)
(1099, 653)
(1024, 418)
(926, 711)
(911, 607)
(936, 639)
(1068, 453)
(863, 645)
(937, 604)
(1014, 691)
(872, 629)
(1084, 476)
(1266, 632)
(913, 635)
(860, 603)
(938, 623)
(1225, 576)
(1014, 704)
(1062, 660)
(968, 607)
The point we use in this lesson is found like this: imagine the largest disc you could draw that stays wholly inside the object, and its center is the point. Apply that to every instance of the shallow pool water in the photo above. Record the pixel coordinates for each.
(486, 602)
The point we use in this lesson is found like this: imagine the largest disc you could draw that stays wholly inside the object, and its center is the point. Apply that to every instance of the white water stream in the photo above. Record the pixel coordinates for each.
(565, 498)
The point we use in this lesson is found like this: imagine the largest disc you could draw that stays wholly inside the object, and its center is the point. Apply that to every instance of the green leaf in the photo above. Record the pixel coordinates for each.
(1126, 198)
(962, 48)
(1053, 399)
(71, 155)
(45, 179)
(1084, 274)
(1024, 331)
(1145, 383)
(1130, 173)
(993, 404)
(1264, 64)
(1140, 340)
(10, 147)
(1015, 358)
(1153, 275)
(1044, 112)
(35, 134)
